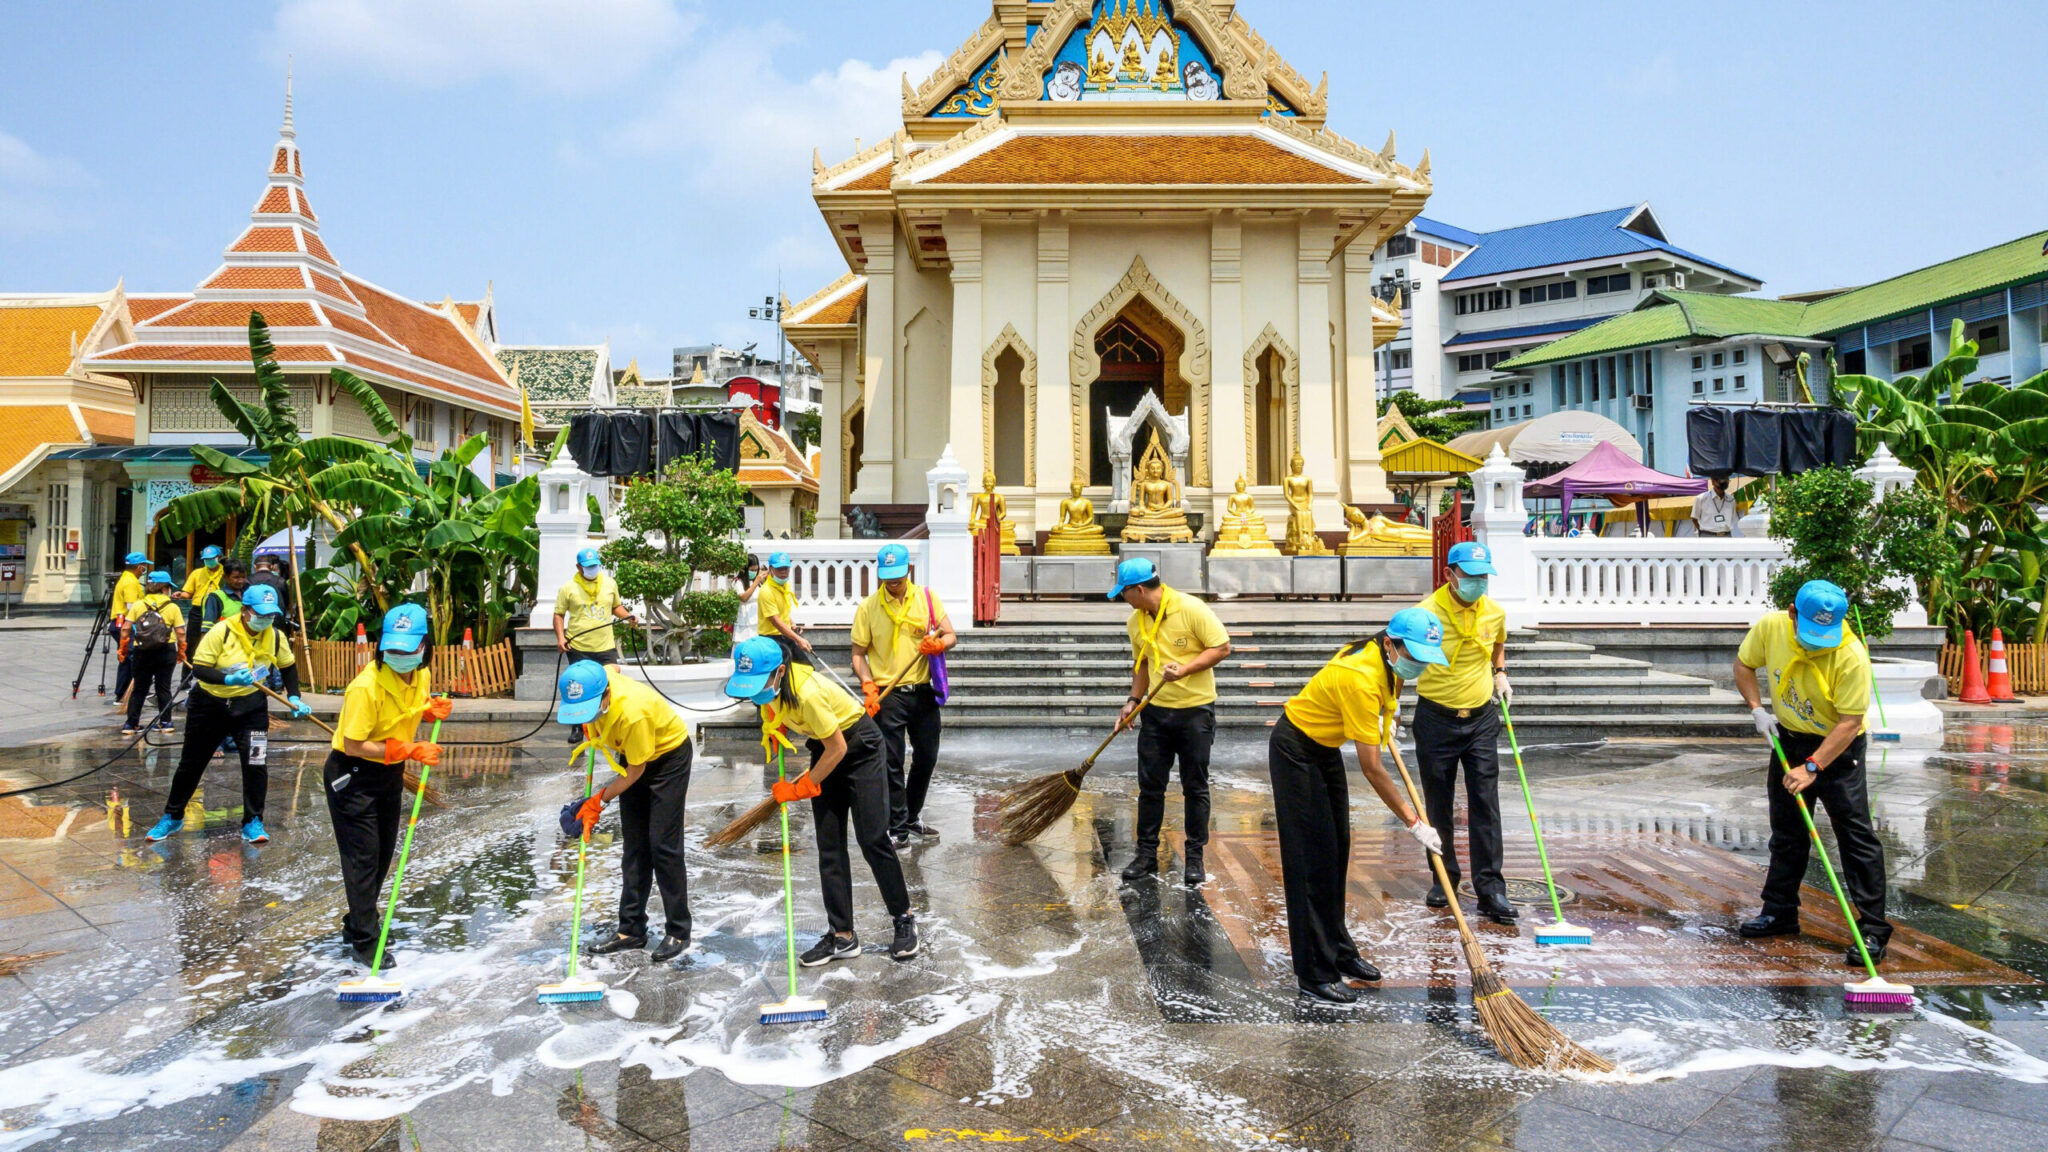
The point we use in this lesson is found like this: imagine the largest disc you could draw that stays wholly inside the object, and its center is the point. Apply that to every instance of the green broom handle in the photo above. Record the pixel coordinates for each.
(1841, 897)
(398, 877)
(1872, 661)
(1528, 801)
(582, 850)
(788, 882)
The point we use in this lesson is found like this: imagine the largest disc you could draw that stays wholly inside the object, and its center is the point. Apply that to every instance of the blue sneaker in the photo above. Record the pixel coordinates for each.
(164, 828)
(253, 832)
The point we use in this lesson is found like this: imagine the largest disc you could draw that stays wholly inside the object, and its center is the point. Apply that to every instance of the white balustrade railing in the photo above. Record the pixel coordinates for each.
(1645, 580)
(832, 577)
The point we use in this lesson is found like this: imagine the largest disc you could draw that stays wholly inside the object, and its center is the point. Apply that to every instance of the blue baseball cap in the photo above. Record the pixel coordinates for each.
(1472, 558)
(159, 577)
(211, 552)
(1821, 608)
(779, 560)
(1136, 570)
(1421, 633)
(581, 692)
(405, 629)
(589, 558)
(262, 600)
(753, 662)
(892, 562)
(133, 559)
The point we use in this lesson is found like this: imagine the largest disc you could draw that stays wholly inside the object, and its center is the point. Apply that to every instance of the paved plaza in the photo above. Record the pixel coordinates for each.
(186, 1001)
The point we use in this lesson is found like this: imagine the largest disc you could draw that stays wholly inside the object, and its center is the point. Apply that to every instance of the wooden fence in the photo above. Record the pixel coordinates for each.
(2027, 663)
(480, 672)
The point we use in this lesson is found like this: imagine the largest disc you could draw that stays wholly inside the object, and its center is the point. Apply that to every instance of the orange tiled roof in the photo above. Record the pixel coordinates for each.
(328, 286)
(842, 310)
(142, 308)
(25, 428)
(260, 279)
(428, 335)
(235, 314)
(468, 311)
(319, 249)
(277, 199)
(109, 427)
(374, 365)
(306, 206)
(1165, 159)
(215, 353)
(355, 327)
(876, 181)
(267, 239)
(36, 341)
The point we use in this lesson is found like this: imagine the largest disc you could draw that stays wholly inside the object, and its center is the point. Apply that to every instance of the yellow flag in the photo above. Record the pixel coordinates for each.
(525, 411)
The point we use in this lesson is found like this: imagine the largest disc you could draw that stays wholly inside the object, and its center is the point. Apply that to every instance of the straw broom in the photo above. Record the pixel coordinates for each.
(1525, 1038)
(412, 775)
(1036, 805)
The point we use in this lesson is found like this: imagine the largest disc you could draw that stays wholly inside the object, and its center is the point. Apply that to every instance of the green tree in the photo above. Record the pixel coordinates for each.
(1438, 420)
(1834, 532)
(684, 524)
(804, 430)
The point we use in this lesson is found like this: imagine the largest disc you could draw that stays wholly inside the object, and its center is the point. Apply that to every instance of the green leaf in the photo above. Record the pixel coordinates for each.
(200, 511)
(1958, 437)
(452, 532)
(1966, 414)
(372, 404)
(270, 380)
(223, 463)
(2017, 405)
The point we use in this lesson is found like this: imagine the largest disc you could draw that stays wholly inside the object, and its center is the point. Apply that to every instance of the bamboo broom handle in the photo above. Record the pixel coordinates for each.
(1436, 861)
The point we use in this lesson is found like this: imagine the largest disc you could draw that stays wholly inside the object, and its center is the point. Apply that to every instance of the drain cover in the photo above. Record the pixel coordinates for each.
(1522, 890)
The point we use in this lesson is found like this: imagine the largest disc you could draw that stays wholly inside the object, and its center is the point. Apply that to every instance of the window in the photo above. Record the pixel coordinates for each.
(56, 521)
(1742, 355)
(1853, 362)
(1404, 359)
(1914, 355)
(1741, 381)
(1401, 246)
(423, 421)
(1720, 384)
(1990, 338)
(1720, 358)
(1496, 393)
(1699, 387)
(1616, 282)
(1492, 300)
(1527, 411)
(1544, 293)
(1478, 361)
(1698, 362)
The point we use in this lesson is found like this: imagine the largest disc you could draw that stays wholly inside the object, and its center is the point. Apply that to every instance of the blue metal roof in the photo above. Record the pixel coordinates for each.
(1567, 241)
(1554, 328)
(1443, 231)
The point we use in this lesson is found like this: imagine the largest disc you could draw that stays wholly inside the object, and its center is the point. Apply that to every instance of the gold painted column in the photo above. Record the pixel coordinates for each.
(1229, 438)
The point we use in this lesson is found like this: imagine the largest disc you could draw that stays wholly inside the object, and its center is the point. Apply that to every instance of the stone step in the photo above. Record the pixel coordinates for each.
(1119, 645)
(1716, 703)
(1261, 666)
(1532, 730)
(1533, 687)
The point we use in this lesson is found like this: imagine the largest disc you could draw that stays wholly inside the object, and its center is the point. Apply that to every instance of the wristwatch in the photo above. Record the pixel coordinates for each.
(1812, 769)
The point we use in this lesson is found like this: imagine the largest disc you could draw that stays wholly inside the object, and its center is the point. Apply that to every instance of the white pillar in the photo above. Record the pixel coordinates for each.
(1229, 439)
(1886, 476)
(948, 548)
(1056, 463)
(564, 524)
(964, 417)
(1318, 418)
(1499, 519)
(876, 483)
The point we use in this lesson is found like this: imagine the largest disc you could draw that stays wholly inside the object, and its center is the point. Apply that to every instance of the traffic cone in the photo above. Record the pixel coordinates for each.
(2001, 677)
(1973, 673)
(362, 648)
(468, 653)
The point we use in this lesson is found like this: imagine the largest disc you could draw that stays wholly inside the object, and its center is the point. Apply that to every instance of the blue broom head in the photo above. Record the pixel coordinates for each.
(571, 992)
(369, 991)
(794, 1011)
(1564, 935)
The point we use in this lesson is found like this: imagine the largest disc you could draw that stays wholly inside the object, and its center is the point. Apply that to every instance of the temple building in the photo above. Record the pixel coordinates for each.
(1105, 224)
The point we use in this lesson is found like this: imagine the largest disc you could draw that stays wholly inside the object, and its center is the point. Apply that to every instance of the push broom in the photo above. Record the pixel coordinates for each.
(374, 989)
(792, 1010)
(571, 990)
(1562, 933)
(1876, 994)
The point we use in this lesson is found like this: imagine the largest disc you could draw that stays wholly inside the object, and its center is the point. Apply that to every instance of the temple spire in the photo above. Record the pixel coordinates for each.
(288, 132)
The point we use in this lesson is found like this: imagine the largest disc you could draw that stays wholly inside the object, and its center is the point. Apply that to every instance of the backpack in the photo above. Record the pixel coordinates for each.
(150, 630)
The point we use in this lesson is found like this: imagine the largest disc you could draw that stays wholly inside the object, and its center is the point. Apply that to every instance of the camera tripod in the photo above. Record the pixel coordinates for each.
(102, 637)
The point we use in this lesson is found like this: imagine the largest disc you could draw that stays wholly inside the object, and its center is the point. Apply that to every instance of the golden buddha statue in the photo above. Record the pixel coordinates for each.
(1077, 533)
(1156, 515)
(1380, 536)
(1301, 518)
(1243, 532)
(978, 513)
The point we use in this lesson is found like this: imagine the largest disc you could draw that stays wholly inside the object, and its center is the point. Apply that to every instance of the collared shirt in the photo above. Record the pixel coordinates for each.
(1184, 629)
(164, 605)
(890, 631)
(636, 722)
(127, 590)
(218, 605)
(381, 705)
(1714, 515)
(821, 708)
(1349, 699)
(585, 607)
(1470, 633)
(1810, 691)
(229, 644)
(202, 580)
(775, 599)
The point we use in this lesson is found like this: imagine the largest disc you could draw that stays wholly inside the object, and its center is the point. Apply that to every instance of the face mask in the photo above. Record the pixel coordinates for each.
(213, 563)
(1471, 588)
(404, 661)
(1407, 667)
(592, 573)
(764, 697)
(256, 621)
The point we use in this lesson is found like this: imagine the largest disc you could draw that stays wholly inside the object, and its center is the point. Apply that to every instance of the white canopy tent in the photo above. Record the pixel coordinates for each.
(1559, 438)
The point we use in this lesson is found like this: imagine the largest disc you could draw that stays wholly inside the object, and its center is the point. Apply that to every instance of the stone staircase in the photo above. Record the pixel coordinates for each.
(1071, 680)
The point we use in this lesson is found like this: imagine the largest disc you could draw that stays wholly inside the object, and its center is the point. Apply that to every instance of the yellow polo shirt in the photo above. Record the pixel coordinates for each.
(127, 590)
(1810, 691)
(891, 630)
(1470, 632)
(202, 580)
(585, 607)
(228, 643)
(637, 724)
(1184, 629)
(1348, 700)
(381, 705)
(822, 707)
(164, 605)
(774, 599)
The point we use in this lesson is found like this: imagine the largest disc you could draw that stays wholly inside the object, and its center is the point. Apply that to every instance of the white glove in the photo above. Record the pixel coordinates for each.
(1766, 721)
(1426, 835)
(1502, 690)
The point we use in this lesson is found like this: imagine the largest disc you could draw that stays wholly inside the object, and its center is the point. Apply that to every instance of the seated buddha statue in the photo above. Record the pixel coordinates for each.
(1301, 518)
(1077, 533)
(979, 510)
(1379, 536)
(1243, 531)
(1156, 515)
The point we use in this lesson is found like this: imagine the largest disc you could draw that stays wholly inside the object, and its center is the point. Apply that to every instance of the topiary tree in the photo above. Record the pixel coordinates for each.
(1834, 532)
(684, 524)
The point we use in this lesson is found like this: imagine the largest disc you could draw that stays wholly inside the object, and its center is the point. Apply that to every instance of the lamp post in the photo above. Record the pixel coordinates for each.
(771, 311)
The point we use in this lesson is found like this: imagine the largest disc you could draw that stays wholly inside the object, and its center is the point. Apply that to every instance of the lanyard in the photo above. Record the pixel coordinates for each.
(1148, 642)
(1468, 635)
(901, 620)
(591, 744)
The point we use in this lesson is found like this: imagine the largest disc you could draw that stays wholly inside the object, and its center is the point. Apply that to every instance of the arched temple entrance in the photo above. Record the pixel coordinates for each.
(1138, 339)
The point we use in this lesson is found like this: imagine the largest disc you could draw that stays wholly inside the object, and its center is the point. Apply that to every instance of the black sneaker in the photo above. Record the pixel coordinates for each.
(670, 948)
(1769, 925)
(1145, 863)
(1854, 958)
(831, 946)
(924, 831)
(1191, 872)
(1333, 993)
(900, 839)
(363, 956)
(618, 944)
(904, 946)
(1358, 970)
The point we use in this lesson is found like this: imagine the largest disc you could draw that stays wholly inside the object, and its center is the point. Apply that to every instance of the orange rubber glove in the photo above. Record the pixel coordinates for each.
(398, 751)
(870, 696)
(439, 707)
(591, 810)
(932, 646)
(791, 791)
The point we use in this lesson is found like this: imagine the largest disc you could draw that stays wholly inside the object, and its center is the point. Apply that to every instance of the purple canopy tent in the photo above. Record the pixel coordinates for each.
(1606, 471)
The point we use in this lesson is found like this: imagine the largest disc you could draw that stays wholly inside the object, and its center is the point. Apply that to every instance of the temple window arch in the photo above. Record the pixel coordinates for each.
(1272, 403)
(1140, 302)
(1009, 408)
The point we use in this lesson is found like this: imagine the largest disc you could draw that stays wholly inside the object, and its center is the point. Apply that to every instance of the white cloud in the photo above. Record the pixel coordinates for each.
(565, 47)
(37, 192)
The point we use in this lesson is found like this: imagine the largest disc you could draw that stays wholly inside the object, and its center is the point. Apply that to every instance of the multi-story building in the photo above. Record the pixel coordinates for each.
(709, 366)
(1472, 300)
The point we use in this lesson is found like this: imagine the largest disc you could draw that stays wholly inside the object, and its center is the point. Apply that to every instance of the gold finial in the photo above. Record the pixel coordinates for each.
(1387, 153)
(1422, 169)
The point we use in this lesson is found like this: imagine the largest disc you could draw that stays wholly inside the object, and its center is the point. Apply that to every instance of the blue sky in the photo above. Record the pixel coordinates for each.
(639, 169)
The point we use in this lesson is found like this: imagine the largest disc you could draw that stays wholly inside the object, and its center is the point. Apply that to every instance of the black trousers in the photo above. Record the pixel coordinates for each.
(651, 835)
(152, 670)
(859, 788)
(365, 803)
(911, 712)
(602, 656)
(1164, 735)
(1312, 813)
(1443, 744)
(124, 670)
(208, 721)
(1845, 792)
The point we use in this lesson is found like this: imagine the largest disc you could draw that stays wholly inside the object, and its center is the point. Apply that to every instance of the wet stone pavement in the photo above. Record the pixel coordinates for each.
(181, 996)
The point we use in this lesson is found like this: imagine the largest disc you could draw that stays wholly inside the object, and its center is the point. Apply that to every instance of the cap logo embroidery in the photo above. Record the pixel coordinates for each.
(574, 691)
(1824, 618)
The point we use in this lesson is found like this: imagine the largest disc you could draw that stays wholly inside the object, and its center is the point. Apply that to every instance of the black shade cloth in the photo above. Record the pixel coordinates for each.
(1759, 442)
(625, 443)
(1803, 446)
(719, 434)
(632, 443)
(1840, 438)
(590, 443)
(678, 437)
(1710, 440)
